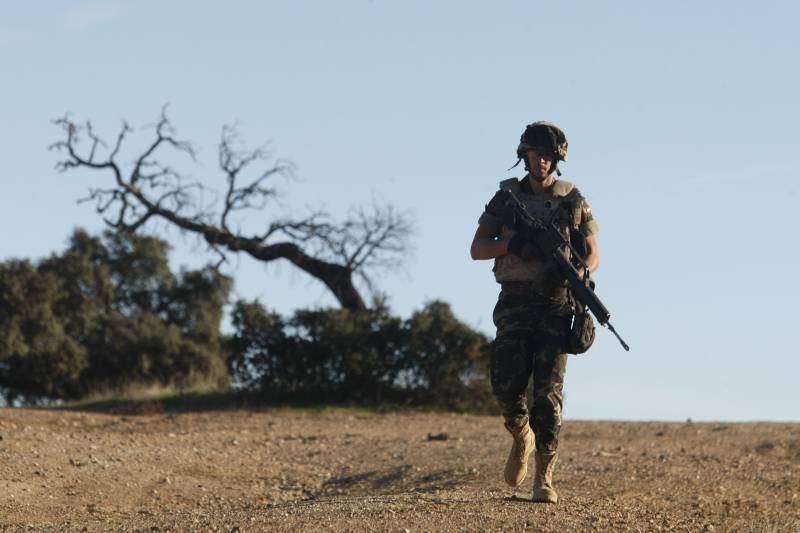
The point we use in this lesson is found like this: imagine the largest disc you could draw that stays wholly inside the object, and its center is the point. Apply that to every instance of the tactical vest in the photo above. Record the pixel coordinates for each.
(547, 206)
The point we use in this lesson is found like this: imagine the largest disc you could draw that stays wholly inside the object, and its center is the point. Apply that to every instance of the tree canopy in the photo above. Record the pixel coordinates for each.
(332, 251)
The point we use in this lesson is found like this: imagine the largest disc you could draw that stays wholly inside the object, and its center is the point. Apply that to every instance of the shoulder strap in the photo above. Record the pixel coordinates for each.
(562, 187)
(511, 184)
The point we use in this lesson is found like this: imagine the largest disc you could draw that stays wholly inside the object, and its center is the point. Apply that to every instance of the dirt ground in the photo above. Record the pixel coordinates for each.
(346, 469)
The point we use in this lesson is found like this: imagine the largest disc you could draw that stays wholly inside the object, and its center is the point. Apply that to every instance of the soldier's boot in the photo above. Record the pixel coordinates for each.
(543, 490)
(517, 462)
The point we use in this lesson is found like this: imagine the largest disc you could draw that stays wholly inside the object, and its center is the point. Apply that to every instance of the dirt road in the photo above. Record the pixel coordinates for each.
(340, 469)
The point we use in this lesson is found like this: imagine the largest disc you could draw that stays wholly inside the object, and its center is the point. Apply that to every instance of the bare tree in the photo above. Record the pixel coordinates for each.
(333, 252)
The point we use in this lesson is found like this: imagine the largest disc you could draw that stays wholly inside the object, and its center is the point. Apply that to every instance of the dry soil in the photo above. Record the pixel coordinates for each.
(344, 469)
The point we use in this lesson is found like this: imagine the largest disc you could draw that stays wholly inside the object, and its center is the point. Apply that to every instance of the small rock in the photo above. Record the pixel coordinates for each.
(438, 436)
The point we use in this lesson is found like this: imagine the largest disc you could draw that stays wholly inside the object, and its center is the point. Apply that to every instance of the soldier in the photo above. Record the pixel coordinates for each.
(533, 314)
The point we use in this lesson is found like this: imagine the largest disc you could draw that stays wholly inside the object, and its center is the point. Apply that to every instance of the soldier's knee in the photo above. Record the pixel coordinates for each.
(547, 407)
(509, 373)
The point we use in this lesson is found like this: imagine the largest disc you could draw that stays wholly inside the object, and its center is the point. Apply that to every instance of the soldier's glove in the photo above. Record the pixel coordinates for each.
(522, 248)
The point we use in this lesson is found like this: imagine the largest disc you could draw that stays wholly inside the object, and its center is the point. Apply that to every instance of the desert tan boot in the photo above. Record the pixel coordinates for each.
(543, 490)
(521, 448)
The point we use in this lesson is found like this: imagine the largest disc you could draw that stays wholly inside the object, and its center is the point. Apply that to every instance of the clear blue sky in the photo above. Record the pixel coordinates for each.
(681, 116)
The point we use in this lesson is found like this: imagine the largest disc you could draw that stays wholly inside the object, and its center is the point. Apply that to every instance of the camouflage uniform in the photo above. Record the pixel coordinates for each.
(533, 317)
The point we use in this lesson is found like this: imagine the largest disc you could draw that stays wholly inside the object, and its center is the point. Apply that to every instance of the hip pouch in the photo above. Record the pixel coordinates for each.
(581, 335)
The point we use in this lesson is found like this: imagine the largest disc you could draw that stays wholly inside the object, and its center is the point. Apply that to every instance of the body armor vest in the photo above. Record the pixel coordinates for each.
(548, 207)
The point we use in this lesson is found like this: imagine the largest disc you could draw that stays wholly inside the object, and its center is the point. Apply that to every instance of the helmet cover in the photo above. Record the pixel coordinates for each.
(545, 137)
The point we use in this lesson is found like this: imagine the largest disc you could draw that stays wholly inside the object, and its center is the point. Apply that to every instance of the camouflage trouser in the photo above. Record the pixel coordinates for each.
(530, 340)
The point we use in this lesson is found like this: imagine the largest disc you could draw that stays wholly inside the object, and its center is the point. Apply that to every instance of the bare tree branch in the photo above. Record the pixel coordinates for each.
(232, 160)
(332, 252)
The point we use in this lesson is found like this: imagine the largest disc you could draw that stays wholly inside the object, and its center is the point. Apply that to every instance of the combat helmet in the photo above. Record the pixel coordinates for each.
(546, 137)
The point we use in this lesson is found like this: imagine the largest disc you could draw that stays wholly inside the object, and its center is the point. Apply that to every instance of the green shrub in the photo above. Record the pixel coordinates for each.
(364, 357)
(105, 314)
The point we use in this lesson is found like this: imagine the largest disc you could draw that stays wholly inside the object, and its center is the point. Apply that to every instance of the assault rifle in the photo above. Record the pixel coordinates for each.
(549, 242)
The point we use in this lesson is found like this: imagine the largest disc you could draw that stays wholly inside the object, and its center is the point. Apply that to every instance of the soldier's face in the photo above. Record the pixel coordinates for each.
(540, 163)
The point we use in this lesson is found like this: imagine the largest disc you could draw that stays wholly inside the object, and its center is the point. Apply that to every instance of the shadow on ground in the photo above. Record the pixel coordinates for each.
(402, 478)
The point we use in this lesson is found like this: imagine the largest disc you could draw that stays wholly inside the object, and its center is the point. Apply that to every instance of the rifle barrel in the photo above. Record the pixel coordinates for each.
(622, 342)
